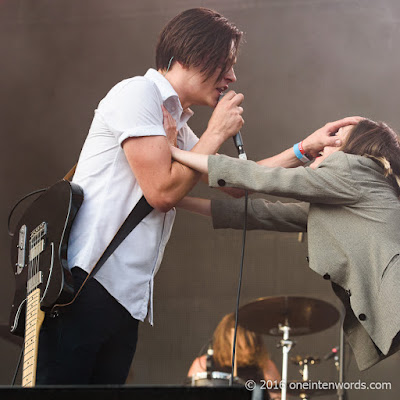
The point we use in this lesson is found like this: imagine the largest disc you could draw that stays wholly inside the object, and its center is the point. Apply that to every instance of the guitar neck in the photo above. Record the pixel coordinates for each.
(33, 322)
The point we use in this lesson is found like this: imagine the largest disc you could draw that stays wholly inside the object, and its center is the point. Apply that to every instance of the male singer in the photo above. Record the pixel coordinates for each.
(127, 155)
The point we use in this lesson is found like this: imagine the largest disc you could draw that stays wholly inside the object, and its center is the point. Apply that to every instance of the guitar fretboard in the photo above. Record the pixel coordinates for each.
(34, 319)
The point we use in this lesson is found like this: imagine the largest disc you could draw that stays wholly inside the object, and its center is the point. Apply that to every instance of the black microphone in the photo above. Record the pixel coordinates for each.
(237, 139)
(331, 354)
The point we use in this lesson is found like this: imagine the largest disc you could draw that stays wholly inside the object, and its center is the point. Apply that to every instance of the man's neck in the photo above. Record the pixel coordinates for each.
(176, 77)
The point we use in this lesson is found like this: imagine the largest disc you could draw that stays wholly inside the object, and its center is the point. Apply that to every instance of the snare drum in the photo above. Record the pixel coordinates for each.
(214, 378)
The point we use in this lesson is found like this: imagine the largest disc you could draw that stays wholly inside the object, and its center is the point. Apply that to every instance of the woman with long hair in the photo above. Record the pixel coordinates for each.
(252, 358)
(349, 205)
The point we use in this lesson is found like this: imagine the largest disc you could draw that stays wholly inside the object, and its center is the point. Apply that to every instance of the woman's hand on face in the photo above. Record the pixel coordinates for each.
(341, 135)
(169, 127)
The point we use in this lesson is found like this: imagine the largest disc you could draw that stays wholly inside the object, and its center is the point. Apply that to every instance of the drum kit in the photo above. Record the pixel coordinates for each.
(284, 316)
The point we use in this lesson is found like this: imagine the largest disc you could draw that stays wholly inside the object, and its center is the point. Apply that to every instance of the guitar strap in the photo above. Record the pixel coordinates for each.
(141, 209)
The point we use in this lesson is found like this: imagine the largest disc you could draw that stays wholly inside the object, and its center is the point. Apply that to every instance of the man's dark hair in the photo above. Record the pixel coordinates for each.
(199, 37)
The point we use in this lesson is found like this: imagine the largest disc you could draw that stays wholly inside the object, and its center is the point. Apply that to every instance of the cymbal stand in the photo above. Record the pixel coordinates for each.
(305, 363)
(286, 345)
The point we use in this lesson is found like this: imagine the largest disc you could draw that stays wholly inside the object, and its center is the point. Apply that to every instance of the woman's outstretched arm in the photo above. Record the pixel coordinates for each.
(196, 161)
(196, 205)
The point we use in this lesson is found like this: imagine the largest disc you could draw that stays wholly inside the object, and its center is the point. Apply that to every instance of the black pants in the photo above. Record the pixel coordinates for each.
(93, 341)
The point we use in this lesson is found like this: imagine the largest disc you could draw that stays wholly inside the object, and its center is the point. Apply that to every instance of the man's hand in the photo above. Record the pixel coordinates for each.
(324, 136)
(169, 127)
(226, 119)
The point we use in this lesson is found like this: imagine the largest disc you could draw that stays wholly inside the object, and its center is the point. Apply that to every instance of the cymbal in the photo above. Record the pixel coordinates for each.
(303, 315)
(7, 335)
(306, 389)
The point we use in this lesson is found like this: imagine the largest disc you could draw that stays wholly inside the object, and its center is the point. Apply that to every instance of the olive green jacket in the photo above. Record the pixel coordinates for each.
(352, 215)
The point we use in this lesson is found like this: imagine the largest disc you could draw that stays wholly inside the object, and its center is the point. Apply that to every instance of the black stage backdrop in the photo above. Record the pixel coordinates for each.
(304, 63)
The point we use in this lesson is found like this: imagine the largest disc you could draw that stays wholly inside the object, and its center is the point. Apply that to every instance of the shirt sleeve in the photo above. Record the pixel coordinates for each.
(133, 108)
(261, 214)
(330, 183)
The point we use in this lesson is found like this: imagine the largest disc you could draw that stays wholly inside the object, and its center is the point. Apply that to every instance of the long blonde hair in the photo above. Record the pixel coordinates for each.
(250, 348)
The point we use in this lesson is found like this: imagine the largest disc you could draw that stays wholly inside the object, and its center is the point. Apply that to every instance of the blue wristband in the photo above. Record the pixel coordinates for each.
(299, 155)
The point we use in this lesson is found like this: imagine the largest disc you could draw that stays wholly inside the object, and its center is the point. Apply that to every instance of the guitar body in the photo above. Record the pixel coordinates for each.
(39, 251)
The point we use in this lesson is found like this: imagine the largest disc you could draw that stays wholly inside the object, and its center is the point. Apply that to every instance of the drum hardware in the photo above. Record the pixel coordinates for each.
(304, 315)
(286, 344)
(284, 316)
(305, 363)
(304, 372)
(214, 378)
(289, 315)
(335, 355)
(209, 360)
(341, 391)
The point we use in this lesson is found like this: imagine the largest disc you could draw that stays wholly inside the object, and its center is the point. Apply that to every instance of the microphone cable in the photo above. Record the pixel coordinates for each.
(246, 196)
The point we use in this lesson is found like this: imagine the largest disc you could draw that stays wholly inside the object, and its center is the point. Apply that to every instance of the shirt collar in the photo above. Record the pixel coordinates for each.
(170, 98)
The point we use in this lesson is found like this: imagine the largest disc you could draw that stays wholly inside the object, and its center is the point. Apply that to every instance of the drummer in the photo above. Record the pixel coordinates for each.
(252, 357)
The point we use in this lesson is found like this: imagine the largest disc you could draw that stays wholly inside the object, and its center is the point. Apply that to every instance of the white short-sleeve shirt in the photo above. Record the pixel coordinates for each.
(131, 108)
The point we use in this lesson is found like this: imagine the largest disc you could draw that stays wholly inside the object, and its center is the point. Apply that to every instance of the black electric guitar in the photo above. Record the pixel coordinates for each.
(39, 261)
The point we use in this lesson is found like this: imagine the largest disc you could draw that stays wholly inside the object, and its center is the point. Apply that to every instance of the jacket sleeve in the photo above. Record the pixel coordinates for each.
(330, 183)
(261, 214)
